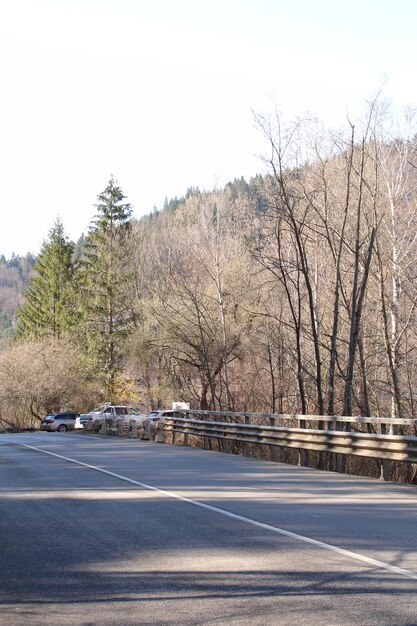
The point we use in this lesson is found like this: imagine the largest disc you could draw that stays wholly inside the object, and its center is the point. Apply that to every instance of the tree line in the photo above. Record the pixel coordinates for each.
(14, 273)
(293, 292)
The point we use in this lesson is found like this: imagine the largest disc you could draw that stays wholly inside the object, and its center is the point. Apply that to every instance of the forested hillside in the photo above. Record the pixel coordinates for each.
(14, 273)
(293, 292)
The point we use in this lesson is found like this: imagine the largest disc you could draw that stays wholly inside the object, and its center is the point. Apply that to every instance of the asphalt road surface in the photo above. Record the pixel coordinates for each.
(108, 531)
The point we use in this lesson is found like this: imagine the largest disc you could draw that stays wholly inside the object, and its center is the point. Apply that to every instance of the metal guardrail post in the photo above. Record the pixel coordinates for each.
(302, 454)
(173, 433)
(385, 465)
(340, 458)
(246, 446)
(340, 463)
(185, 441)
(272, 449)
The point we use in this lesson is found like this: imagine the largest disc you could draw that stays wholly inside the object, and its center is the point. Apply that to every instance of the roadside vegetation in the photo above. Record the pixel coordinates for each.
(293, 292)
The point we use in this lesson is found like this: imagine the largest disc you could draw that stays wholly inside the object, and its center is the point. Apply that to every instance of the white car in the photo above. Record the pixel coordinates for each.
(155, 416)
(144, 426)
(109, 411)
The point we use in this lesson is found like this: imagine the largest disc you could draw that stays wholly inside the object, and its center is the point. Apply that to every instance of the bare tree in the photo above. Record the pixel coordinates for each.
(38, 377)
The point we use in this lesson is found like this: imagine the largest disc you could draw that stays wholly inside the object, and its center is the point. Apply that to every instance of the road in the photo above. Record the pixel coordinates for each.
(107, 531)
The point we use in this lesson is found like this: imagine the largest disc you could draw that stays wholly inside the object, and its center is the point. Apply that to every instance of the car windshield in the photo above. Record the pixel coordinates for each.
(116, 410)
(153, 414)
(100, 409)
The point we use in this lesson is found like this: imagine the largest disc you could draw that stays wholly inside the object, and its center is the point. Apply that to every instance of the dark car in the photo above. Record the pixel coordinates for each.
(61, 422)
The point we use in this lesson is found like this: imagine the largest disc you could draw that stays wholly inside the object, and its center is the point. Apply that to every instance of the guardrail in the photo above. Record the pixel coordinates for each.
(240, 427)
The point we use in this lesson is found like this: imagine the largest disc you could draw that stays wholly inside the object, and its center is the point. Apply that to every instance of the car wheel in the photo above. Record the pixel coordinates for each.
(62, 428)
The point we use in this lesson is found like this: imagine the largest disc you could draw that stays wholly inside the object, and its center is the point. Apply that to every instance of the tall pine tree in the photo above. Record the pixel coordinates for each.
(46, 311)
(107, 282)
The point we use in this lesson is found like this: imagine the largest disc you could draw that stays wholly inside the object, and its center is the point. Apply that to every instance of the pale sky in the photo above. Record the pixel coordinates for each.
(160, 93)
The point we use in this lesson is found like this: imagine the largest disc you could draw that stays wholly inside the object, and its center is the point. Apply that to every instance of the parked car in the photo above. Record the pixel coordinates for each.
(61, 422)
(93, 420)
(155, 416)
(84, 418)
(136, 424)
(137, 419)
(144, 426)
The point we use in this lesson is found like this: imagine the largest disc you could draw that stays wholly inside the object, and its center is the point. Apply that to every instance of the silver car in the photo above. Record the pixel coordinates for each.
(61, 422)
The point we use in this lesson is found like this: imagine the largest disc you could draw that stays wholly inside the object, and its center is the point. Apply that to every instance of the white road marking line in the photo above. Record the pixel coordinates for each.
(280, 531)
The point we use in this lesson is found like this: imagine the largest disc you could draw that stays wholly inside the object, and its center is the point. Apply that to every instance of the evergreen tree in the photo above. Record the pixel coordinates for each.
(107, 282)
(46, 311)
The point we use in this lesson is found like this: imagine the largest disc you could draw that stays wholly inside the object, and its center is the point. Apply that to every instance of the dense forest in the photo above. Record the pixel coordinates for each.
(14, 273)
(293, 292)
